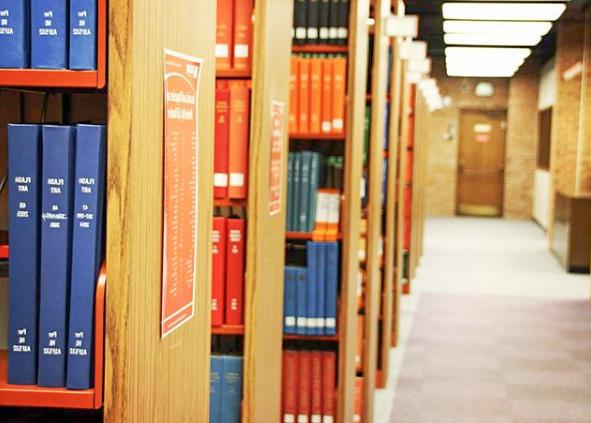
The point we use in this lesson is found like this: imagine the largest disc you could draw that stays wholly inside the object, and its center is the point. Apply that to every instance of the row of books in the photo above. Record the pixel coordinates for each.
(232, 112)
(49, 34)
(227, 293)
(233, 46)
(56, 197)
(225, 394)
(314, 184)
(317, 95)
(320, 22)
(309, 386)
(311, 292)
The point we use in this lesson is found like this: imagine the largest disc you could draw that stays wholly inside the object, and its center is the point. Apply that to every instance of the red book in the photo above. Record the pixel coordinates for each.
(235, 272)
(316, 397)
(304, 97)
(238, 143)
(222, 133)
(290, 386)
(293, 95)
(242, 33)
(359, 345)
(326, 118)
(315, 95)
(223, 38)
(305, 386)
(339, 92)
(409, 166)
(329, 373)
(218, 272)
(358, 406)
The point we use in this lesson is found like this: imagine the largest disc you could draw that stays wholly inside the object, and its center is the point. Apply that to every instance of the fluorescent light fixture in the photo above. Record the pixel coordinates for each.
(497, 27)
(402, 26)
(422, 66)
(413, 50)
(487, 53)
(507, 39)
(504, 11)
(490, 73)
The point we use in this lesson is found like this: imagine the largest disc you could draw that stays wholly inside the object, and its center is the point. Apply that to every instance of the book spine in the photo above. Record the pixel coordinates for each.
(321, 289)
(315, 95)
(238, 142)
(343, 22)
(312, 21)
(223, 34)
(332, 281)
(304, 97)
(219, 239)
(316, 388)
(329, 370)
(333, 27)
(327, 94)
(302, 301)
(231, 389)
(323, 21)
(222, 133)
(290, 191)
(235, 272)
(24, 170)
(305, 385)
(56, 245)
(339, 78)
(83, 34)
(215, 389)
(290, 387)
(314, 183)
(299, 21)
(321, 222)
(293, 94)
(297, 181)
(87, 239)
(359, 343)
(242, 33)
(14, 34)
(311, 286)
(49, 34)
(290, 300)
(304, 192)
(358, 406)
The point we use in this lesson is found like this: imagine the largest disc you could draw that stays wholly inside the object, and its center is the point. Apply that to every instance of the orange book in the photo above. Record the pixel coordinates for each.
(326, 117)
(338, 100)
(238, 145)
(223, 38)
(304, 97)
(290, 386)
(242, 33)
(315, 94)
(316, 390)
(360, 338)
(358, 407)
(329, 371)
(305, 385)
(293, 95)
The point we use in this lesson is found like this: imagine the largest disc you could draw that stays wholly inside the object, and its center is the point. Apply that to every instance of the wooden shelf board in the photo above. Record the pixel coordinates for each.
(320, 48)
(233, 73)
(49, 78)
(318, 137)
(228, 202)
(4, 252)
(311, 338)
(228, 330)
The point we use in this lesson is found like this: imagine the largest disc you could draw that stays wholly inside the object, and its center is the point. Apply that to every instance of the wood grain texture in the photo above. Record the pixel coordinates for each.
(355, 112)
(266, 234)
(148, 379)
(373, 287)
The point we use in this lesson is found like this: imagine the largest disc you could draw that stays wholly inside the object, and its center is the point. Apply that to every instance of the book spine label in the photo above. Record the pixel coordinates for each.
(323, 21)
(327, 94)
(242, 33)
(56, 245)
(332, 282)
(315, 95)
(24, 171)
(304, 97)
(312, 23)
(83, 34)
(302, 307)
(223, 38)
(316, 388)
(328, 386)
(231, 389)
(218, 240)
(290, 386)
(235, 272)
(49, 34)
(289, 301)
(14, 34)
(222, 132)
(293, 95)
(215, 389)
(238, 142)
(87, 237)
(299, 21)
(338, 104)
(305, 385)
(311, 289)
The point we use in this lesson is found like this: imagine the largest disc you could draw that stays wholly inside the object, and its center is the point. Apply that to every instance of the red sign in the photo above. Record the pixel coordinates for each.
(179, 273)
(482, 138)
(276, 162)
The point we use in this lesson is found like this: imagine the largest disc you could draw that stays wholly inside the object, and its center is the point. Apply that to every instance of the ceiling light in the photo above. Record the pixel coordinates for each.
(496, 27)
(487, 53)
(491, 73)
(504, 11)
(508, 39)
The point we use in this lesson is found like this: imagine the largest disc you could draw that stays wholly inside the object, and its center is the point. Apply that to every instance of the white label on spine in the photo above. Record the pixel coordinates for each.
(288, 418)
(301, 33)
(356, 418)
(320, 322)
(332, 33)
(241, 51)
(312, 33)
(322, 207)
(302, 418)
(220, 180)
(337, 123)
(343, 33)
(334, 203)
(331, 322)
(323, 33)
(326, 126)
(290, 321)
(316, 418)
(236, 179)
(311, 322)
(327, 419)
(301, 322)
(222, 51)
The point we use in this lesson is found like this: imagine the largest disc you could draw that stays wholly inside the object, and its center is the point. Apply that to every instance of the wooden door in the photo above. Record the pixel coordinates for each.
(481, 163)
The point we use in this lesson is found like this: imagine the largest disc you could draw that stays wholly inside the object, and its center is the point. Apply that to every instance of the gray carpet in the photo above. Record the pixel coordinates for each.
(479, 359)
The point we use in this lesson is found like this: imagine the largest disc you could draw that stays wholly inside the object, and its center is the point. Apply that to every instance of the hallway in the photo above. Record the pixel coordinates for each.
(493, 331)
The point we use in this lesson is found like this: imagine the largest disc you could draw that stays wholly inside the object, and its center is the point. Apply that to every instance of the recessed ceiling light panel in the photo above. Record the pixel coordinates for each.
(497, 27)
(503, 11)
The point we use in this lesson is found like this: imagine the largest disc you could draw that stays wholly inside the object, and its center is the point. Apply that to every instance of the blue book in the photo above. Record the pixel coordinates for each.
(289, 300)
(231, 389)
(332, 286)
(24, 171)
(290, 194)
(83, 34)
(14, 34)
(56, 244)
(311, 286)
(321, 290)
(215, 389)
(49, 34)
(302, 301)
(87, 239)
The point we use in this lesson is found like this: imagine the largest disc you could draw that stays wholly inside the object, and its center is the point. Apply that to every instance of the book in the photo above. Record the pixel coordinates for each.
(331, 290)
(304, 97)
(315, 164)
(312, 16)
(290, 297)
(290, 387)
(231, 389)
(83, 38)
(358, 406)
(56, 244)
(302, 301)
(235, 272)
(242, 33)
(304, 201)
(305, 385)
(359, 343)
(315, 95)
(222, 133)
(215, 389)
(323, 21)
(339, 93)
(24, 169)
(312, 271)
(321, 290)
(218, 239)
(333, 22)
(49, 34)
(343, 22)
(87, 251)
(293, 95)
(238, 140)
(327, 94)
(316, 388)
(300, 21)
(223, 34)
(290, 191)
(297, 177)
(329, 370)
(14, 34)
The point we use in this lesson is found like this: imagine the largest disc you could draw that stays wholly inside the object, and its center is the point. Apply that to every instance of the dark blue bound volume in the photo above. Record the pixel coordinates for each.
(56, 244)
(14, 34)
(311, 286)
(87, 237)
(215, 389)
(49, 34)
(290, 299)
(24, 171)
(83, 34)
(332, 286)
(231, 389)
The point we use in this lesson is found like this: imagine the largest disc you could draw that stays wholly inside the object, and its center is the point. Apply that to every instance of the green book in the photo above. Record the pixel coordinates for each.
(290, 191)
(366, 130)
(304, 201)
(297, 176)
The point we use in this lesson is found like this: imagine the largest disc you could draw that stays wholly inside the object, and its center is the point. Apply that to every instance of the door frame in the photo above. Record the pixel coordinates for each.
(500, 111)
